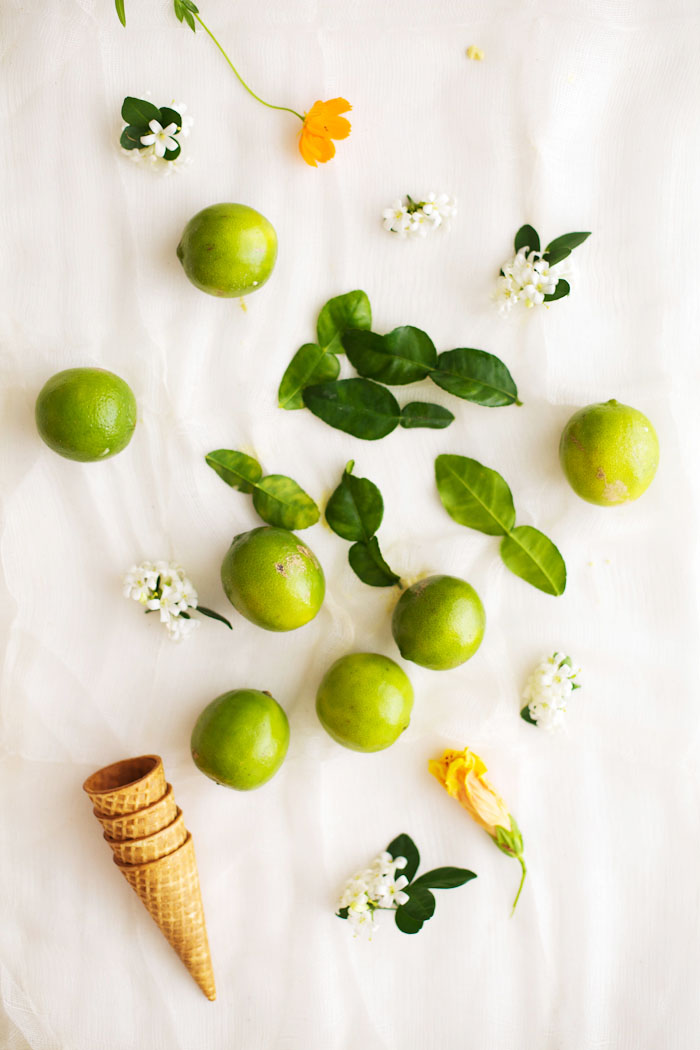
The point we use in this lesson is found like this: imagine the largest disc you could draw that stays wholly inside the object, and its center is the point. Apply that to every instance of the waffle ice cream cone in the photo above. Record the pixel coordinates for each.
(169, 889)
(152, 847)
(155, 854)
(143, 822)
(126, 786)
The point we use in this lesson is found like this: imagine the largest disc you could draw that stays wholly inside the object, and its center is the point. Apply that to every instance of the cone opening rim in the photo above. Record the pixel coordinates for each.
(149, 863)
(146, 839)
(117, 776)
(141, 814)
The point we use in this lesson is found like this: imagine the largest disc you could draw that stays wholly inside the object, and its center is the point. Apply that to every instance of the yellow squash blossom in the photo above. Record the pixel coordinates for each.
(322, 124)
(461, 773)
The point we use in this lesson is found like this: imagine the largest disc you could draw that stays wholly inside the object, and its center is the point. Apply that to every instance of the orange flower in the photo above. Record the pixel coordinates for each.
(322, 124)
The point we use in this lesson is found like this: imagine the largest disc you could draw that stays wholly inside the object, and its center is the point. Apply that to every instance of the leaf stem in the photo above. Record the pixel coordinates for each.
(521, 861)
(249, 90)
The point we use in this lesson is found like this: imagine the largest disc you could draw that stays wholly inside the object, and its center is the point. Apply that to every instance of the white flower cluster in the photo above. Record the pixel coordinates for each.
(548, 689)
(376, 887)
(155, 144)
(163, 586)
(411, 218)
(526, 279)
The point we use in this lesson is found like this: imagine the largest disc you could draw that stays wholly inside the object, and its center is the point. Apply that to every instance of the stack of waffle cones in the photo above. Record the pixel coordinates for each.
(154, 852)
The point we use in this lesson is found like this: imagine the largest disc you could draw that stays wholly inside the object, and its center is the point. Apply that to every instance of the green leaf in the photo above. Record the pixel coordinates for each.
(131, 136)
(280, 501)
(235, 468)
(444, 878)
(356, 508)
(421, 903)
(351, 310)
(190, 21)
(405, 355)
(171, 154)
(526, 716)
(213, 616)
(139, 111)
(170, 116)
(531, 555)
(310, 364)
(357, 406)
(527, 237)
(366, 561)
(475, 376)
(563, 288)
(424, 414)
(119, 4)
(474, 495)
(405, 922)
(560, 247)
(404, 846)
(343, 913)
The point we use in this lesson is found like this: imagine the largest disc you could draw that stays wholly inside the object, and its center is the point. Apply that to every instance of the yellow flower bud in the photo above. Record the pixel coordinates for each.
(461, 773)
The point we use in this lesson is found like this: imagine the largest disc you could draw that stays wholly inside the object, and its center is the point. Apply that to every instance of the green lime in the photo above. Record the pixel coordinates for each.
(86, 414)
(438, 622)
(609, 453)
(228, 250)
(240, 739)
(273, 579)
(364, 701)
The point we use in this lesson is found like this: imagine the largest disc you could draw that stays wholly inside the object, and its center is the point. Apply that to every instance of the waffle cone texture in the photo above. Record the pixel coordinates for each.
(155, 853)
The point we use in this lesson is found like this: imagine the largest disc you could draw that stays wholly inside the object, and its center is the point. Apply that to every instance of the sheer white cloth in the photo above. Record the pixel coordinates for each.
(580, 116)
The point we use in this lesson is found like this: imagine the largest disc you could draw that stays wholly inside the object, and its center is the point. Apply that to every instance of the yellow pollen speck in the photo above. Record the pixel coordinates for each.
(244, 308)
(475, 53)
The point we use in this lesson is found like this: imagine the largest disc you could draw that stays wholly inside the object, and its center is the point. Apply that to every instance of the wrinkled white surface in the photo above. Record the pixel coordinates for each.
(583, 115)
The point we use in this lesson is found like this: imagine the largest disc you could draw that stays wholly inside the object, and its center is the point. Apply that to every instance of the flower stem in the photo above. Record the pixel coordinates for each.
(249, 90)
(517, 895)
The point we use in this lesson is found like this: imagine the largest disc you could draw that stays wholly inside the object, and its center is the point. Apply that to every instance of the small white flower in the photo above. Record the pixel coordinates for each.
(160, 137)
(163, 587)
(396, 218)
(417, 218)
(179, 628)
(187, 120)
(526, 278)
(548, 689)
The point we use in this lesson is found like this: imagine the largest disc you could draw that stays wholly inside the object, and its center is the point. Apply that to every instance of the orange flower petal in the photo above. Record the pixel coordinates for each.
(321, 124)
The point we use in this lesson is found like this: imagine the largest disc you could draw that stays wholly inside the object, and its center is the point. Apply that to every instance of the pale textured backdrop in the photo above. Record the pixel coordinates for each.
(583, 115)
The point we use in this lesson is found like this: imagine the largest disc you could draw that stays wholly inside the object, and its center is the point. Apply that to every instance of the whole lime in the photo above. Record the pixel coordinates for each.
(273, 579)
(228, 250)
(364, 701)
(240, 739)
(86, 414)
(609, 453)
(438, 622)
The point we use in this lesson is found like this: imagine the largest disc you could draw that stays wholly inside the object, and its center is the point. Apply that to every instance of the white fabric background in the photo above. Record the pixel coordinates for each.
(583, 115)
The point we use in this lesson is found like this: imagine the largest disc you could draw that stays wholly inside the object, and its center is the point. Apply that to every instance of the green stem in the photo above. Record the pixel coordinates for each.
(517, 896)
(250, 92)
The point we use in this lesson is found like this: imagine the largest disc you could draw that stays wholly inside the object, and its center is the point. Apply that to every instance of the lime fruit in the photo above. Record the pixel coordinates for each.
(86, 414)
(273, 579)
(609, 453)
(439, 622)
(240, 739)
(228, 250)
(364, 701)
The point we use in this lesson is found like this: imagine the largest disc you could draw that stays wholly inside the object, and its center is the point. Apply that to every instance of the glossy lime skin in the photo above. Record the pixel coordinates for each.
(273, 579)
(228, 250)
(439, 622)
(364, 701)
(609, 453)
(240, 739)
(86, 414)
